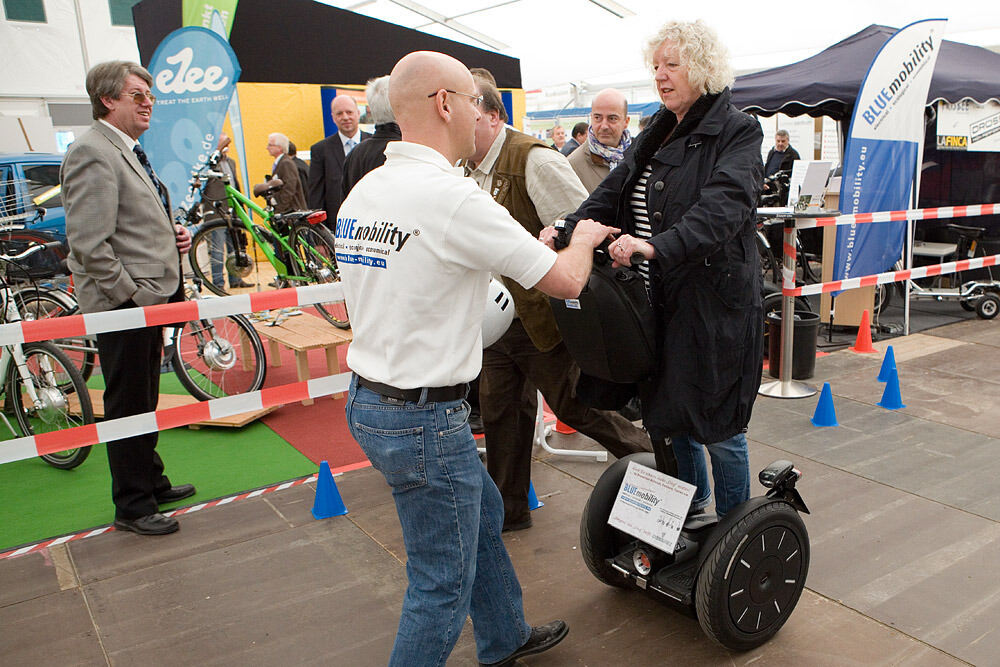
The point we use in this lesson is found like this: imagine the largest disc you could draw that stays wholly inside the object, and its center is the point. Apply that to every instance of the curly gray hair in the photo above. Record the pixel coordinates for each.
(699, 48)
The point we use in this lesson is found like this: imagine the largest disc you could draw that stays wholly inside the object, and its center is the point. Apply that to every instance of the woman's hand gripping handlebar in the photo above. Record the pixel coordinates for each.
(568, 276)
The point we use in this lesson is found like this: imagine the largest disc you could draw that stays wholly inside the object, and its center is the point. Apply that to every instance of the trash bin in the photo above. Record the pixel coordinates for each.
(803, 344)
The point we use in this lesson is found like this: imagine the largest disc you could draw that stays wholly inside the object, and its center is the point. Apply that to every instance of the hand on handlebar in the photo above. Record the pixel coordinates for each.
(548, 236)
(592, 233)
(628, 250)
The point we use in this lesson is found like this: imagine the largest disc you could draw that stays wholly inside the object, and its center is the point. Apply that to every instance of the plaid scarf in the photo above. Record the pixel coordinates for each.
(610, 154)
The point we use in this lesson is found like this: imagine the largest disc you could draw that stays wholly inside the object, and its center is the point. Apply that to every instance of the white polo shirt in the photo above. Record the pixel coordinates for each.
(416, 242)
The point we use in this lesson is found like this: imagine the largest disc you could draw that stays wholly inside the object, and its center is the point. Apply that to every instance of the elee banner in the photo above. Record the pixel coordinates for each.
(883, 148)
(194, 76)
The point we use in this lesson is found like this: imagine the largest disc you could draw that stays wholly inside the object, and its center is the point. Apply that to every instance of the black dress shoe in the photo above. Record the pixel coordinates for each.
(509, 526)
(175, 493)
(543, 637)
(152, 524)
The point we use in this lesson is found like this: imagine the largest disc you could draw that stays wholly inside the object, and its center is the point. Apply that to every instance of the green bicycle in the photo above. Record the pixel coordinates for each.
(296, 244)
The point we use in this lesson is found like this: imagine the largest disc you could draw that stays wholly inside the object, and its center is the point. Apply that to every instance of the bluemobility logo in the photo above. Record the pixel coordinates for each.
(368, 245)
(377, 232)
(914, 62)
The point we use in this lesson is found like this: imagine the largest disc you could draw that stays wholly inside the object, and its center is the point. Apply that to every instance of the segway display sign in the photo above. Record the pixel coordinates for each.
(651, 506)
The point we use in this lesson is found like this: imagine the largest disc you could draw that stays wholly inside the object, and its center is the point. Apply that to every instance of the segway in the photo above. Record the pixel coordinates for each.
(740, 577)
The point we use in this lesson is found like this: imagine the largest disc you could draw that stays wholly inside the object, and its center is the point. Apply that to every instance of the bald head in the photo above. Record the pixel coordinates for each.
(609, 116)
(426, 112)
(345, 114)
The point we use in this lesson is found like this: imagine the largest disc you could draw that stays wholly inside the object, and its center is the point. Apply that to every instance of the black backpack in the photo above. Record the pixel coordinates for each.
(609, 330)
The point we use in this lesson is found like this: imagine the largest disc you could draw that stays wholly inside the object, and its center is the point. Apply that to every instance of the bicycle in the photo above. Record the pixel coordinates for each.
(298, 247)
(212, 357)
(43, 388)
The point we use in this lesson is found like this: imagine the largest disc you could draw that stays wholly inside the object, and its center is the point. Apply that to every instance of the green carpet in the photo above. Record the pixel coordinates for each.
(40, 501)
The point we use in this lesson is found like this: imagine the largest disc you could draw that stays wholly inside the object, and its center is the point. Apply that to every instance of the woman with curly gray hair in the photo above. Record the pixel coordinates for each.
(684, 197)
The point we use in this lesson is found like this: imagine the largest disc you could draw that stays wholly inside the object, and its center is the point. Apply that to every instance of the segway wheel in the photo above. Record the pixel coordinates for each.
(988, 306)
(752, 579)
(598, 540)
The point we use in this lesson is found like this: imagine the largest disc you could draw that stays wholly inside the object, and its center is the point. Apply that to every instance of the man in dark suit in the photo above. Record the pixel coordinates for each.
(300, 164)
(291, 197)
(371, 153)
(125, 252)
(779, 158)
(326, 159)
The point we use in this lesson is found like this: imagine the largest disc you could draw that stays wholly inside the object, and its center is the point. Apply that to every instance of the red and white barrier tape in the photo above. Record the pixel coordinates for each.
(160, 420)
(939, 213)
(167, 313)
(894, 276)
(38, 546)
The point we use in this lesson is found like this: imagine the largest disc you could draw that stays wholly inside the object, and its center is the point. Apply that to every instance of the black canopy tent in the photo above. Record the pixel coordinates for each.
(827, 84)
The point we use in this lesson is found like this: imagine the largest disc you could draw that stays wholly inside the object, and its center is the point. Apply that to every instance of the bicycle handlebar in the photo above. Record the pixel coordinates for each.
(31, 250)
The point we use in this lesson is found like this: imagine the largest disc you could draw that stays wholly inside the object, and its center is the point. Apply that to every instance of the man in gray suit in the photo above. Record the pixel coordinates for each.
(125, 252)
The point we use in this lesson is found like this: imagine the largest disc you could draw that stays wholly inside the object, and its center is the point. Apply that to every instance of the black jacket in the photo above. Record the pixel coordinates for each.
(789, 156)
(326, 169)
(368, 155)
(705, 280)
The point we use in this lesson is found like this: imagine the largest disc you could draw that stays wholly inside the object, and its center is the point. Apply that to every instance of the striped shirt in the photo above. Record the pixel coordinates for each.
(640, 215)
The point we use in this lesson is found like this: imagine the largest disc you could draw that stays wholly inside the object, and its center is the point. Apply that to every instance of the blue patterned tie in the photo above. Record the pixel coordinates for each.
(144, 161)
(349, 146)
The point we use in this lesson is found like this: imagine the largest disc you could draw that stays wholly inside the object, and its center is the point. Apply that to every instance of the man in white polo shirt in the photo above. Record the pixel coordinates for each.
(416, 243)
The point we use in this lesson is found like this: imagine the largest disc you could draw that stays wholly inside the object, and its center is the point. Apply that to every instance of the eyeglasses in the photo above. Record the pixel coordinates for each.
(477, 100)
(139, 97)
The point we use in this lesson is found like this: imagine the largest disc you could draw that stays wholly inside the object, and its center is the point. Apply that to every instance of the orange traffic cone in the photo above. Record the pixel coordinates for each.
(565, 429)
(863, 344)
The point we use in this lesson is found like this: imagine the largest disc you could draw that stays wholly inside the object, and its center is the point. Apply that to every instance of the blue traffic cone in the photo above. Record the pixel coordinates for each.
(888, 365)
(891, 399)
(825, 415)
(328, 501)
(533, 501)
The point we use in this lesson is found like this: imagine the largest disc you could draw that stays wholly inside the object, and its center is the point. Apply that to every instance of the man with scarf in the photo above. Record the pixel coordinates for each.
(536, 185)
(607, 139)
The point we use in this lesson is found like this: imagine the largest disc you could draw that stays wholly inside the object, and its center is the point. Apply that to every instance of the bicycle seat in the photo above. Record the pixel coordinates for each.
(968, 232)
(267, 188)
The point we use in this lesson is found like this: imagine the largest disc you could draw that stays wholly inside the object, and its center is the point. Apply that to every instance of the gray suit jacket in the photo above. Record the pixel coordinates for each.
(121, 241)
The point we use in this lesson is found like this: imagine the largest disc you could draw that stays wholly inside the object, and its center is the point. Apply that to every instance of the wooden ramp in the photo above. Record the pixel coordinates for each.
(176, 400)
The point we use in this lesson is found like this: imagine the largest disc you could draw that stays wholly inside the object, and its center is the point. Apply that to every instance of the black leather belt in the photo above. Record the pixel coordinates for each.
(434, 394)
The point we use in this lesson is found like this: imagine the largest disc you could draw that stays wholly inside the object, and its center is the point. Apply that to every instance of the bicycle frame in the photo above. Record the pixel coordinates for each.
(235, 197)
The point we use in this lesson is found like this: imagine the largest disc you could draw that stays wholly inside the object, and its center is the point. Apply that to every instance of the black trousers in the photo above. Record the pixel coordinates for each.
(130, 362)
(512, 369)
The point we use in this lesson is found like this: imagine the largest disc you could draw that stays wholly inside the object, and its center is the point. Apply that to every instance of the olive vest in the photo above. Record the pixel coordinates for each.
(510, 191)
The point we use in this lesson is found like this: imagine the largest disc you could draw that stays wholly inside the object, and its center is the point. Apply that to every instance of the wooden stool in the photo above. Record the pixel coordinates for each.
(301, 333)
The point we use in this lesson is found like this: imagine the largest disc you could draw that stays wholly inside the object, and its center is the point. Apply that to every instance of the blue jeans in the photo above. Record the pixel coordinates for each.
(730, 470)
(451, 514)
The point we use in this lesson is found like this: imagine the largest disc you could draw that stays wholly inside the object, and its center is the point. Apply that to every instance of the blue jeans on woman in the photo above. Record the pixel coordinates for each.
(451, 514)
(730, 470)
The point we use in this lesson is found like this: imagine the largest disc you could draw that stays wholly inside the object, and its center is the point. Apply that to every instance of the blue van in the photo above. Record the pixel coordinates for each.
(30, 193)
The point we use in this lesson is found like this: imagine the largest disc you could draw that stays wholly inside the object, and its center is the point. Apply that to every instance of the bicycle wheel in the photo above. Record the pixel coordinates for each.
(219, 357)
(313, 248)
(41, 303)
(216, 263)
(769, 266)
(62, 399)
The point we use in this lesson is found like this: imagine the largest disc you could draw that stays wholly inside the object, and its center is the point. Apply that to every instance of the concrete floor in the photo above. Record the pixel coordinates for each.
(905, 536)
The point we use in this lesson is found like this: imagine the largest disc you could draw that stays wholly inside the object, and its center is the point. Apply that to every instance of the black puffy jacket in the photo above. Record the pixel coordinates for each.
(705, 281)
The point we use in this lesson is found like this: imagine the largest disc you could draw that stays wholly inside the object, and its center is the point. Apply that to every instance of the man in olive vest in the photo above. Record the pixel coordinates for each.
(537, 185)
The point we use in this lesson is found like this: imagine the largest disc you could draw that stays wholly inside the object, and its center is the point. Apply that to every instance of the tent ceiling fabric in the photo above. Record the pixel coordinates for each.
(341, 47)
(827, 83)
